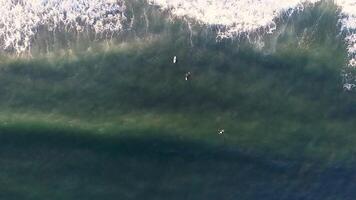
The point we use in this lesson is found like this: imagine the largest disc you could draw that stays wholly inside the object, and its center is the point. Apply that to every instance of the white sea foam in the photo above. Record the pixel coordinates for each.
(236, 17)
(348, 24)
(20, 20)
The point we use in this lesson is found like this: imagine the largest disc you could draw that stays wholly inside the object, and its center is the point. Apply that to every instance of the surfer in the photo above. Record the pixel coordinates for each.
(188, 76)
(221, 131)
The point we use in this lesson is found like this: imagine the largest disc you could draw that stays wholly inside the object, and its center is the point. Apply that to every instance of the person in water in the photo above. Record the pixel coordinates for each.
(188, 76)
(221, 131)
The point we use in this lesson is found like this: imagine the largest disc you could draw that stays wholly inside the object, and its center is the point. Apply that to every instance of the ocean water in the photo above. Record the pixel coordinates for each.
(177, 99)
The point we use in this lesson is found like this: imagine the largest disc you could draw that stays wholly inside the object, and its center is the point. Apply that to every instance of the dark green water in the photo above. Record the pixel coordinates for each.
(122, 123)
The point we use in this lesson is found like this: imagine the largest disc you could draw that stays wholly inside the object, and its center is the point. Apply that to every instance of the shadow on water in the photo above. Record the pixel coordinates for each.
(300, 85)
(79, 165)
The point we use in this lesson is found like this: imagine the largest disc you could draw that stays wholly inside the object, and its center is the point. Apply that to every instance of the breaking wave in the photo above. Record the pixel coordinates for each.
(22, 20)
(245, 16)
(25, 24)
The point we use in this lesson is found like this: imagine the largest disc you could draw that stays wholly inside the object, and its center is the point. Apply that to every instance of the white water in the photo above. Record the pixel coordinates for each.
(348, 22)
(245, 16)
(20, 20)
(236, 16)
